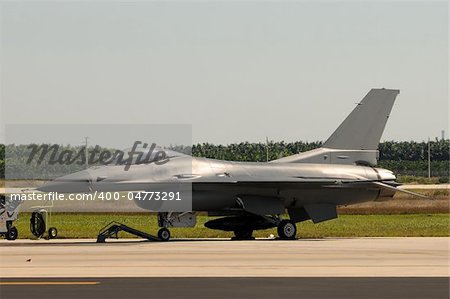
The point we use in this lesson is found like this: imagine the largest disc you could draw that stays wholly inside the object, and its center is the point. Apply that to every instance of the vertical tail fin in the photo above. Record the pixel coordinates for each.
(356, 140)
(363, 128)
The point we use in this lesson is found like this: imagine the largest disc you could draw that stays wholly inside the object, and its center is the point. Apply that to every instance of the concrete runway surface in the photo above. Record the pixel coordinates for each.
(330, 257)
(218, 268)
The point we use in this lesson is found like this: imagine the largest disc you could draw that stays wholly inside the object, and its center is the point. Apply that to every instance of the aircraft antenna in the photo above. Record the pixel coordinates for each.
(86, 151)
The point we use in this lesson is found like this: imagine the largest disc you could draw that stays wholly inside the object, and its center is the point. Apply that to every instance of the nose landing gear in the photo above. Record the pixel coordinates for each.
(164, 234)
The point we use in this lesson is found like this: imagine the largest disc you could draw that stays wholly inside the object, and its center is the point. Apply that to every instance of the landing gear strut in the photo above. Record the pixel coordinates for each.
(287, 230)
(174, 219)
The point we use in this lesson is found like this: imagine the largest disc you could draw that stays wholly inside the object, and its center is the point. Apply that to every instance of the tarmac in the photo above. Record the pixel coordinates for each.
(226, 288)
(329, 257)
(348, 268)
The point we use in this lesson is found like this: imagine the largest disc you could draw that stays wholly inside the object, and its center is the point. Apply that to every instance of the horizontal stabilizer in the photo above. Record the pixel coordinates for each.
(386, 186)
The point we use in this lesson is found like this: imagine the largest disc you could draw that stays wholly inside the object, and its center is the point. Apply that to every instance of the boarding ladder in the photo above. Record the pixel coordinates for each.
(113, 228)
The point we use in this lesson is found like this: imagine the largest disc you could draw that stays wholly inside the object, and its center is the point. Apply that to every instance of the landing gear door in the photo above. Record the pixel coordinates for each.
(185, 219)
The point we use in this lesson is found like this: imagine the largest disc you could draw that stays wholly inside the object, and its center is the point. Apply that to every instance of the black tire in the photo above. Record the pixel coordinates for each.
(12, 233)
(287, 230)
(37, 224)
(164, 234)
(243, 234)
(52, 232)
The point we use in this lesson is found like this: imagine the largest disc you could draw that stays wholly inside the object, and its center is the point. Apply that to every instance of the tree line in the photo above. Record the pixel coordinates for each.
(256, 152)
(404, 158)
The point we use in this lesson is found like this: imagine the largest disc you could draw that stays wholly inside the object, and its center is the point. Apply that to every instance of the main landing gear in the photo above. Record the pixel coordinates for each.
(287, 230)
(243, 227)
(243, 234)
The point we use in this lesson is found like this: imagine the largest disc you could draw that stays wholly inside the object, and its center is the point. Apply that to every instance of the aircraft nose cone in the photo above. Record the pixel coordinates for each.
(73, 183)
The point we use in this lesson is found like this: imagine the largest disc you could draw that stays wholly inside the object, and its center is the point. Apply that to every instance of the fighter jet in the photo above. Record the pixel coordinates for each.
(249, 196)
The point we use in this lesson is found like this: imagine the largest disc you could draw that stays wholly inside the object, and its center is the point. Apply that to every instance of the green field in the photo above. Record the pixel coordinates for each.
(412, 225)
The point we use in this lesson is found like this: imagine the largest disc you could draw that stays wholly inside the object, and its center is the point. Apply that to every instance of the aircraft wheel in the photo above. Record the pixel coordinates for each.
(12, 233)
(164, 234)
(243, 234)
(287, 230)
(52, 232)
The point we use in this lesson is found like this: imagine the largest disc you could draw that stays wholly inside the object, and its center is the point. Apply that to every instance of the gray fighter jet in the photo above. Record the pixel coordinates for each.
(250, 196)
